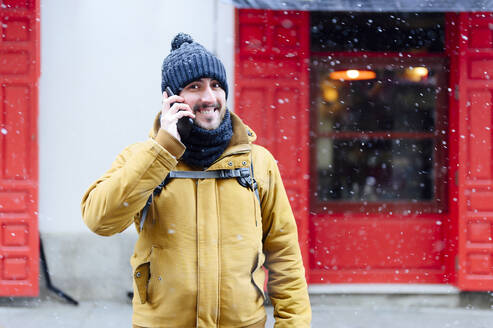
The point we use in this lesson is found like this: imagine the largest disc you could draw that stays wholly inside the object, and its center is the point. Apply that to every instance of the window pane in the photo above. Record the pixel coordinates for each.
(377, 31)
(375, 169)
(396, 100)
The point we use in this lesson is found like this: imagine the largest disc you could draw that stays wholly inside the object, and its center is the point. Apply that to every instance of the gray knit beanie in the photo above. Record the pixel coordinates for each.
(189, 61)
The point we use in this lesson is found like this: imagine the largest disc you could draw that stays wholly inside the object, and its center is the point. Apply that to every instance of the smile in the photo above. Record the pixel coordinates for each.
(207, 110)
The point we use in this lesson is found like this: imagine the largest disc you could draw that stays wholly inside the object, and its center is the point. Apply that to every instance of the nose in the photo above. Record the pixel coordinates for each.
(208, 95)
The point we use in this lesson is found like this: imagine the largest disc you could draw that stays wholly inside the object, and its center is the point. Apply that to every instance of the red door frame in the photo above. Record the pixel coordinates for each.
(19, 74)
(272, 97)
(472, 99)
(263, 68)
(256, 81)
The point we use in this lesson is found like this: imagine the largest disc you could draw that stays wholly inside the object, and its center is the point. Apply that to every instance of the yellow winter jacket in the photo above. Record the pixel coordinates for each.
(198, 259)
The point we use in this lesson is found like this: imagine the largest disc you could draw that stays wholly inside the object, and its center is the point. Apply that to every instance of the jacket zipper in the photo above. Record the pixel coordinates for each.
(197, 224)
(198, 250)
(255, 208)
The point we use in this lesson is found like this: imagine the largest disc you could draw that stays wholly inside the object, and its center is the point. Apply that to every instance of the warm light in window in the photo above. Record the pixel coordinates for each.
(416, 74)
(352, 74)
(421, 71)
(329, 91)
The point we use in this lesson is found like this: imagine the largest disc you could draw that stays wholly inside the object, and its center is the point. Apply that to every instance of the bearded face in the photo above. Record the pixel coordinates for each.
(207, 99)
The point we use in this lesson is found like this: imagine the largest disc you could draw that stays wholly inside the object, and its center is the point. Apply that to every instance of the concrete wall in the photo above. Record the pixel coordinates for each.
(99, 92)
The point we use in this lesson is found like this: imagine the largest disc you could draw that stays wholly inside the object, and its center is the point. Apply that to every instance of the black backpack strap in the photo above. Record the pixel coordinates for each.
(215, 174)
(254, 183)
(242, 174)
(248, 181)
(156, 192)
(144, 212)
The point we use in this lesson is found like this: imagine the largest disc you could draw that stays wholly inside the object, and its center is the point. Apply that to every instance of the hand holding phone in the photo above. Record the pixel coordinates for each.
(184, 124)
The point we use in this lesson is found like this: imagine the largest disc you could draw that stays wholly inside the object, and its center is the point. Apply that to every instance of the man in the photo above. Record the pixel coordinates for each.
(205, 228)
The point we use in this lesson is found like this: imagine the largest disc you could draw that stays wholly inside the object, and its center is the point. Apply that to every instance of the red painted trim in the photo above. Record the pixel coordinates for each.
(462, 153)
(379, 265)
(272, 63)
(19, 243)
(474, 194)
(367, 54)
(424, 276)
(451, 229)
(378, 135)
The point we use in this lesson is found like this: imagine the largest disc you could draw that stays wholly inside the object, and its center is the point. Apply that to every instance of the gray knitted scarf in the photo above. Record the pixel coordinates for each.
(205, 146)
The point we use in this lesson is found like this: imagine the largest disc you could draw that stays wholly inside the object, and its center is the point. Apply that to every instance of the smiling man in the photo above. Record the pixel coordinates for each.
(210, 209)
(207, 99)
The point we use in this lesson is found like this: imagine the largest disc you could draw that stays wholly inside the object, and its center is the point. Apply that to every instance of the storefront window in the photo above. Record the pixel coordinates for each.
(405, 32)
(373, 169)
(379, 132)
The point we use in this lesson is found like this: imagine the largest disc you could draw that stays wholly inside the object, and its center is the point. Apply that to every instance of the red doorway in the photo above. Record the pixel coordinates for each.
(442, 236)
(378, 168)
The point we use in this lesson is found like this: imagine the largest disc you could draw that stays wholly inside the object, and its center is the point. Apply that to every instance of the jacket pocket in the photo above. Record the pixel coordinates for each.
(142, 275)
(258, 274)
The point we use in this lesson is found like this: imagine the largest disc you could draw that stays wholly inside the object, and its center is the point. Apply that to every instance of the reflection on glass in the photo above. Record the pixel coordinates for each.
(338, 31)
(376, 139)
(393, 101)
(374, 169)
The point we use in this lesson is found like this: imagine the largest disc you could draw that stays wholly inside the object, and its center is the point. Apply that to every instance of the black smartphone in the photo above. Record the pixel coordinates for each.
(184, 124)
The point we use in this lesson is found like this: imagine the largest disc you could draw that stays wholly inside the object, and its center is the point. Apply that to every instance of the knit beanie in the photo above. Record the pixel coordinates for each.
(189, 61)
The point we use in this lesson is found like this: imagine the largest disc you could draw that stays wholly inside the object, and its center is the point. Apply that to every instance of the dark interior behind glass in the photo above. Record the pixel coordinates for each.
(381, 139)
(377, 32)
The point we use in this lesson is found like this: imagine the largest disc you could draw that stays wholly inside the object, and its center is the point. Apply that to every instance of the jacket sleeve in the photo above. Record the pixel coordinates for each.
(287, 286)
(110, 204)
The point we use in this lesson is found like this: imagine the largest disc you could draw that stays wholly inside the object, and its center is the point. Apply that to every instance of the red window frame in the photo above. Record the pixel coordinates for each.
(359, 60)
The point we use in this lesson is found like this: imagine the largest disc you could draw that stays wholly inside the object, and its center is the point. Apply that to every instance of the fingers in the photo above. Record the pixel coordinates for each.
(167, 101)
(174, 109)
(184, 113)
(177, 107)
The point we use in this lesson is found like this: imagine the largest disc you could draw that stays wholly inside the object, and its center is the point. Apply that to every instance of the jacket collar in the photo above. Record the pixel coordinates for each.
(243, 136)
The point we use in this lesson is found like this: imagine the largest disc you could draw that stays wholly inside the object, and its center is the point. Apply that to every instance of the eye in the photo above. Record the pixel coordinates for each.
(193, 86)
(215, 84)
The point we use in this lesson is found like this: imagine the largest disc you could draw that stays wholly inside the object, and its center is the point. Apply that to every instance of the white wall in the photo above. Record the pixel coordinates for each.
(100, 89)
(100, 86)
